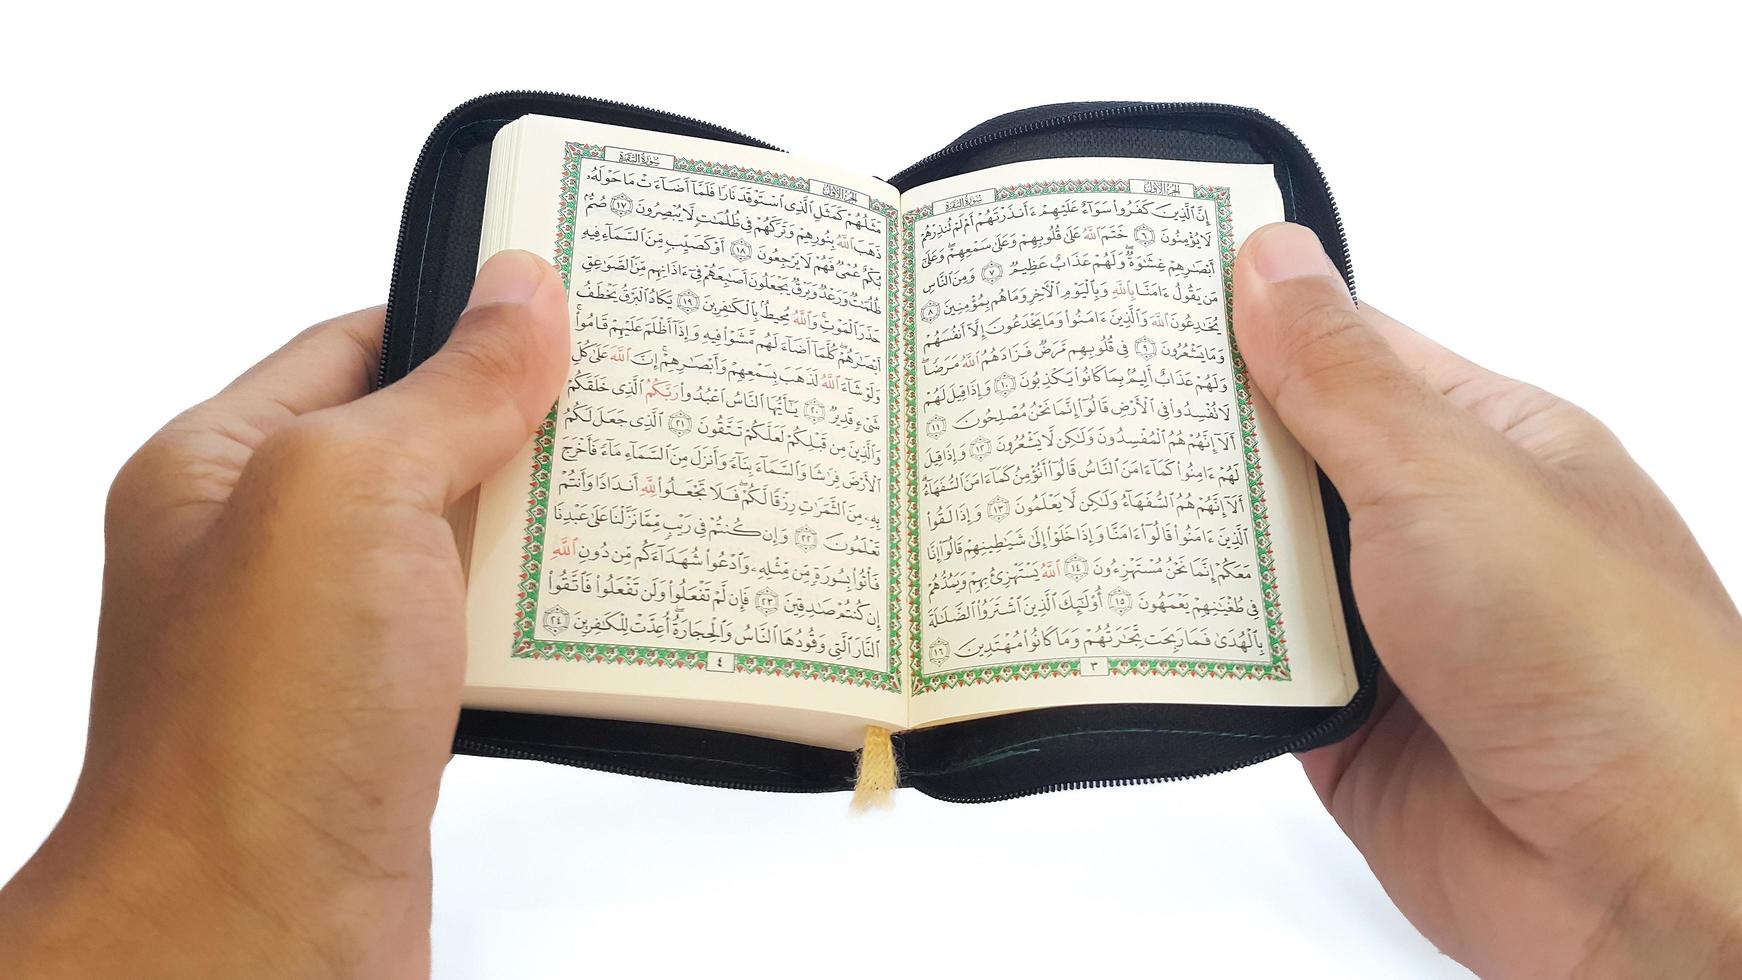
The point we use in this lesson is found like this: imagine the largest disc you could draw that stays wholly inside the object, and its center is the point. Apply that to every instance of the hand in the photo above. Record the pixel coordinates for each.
(279, 659)
(1552, 786)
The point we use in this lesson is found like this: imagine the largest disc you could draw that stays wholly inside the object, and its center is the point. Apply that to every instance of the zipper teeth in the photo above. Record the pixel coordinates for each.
(429, 142)
(1140, 108)
(1296, 744)
(485, 747)
(482, 746)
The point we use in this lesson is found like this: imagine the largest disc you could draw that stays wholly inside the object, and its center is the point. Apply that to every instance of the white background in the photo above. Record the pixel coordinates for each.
(1554, 195)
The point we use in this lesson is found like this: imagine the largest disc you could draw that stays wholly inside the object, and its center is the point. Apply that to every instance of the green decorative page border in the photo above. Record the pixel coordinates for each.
(527, 645)
(1277, 667)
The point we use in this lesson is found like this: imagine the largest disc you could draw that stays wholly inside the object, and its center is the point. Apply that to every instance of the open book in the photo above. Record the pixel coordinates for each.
(832, 455)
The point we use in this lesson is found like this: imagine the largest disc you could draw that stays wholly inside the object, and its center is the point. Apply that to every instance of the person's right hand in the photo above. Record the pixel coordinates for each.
(1553, 785)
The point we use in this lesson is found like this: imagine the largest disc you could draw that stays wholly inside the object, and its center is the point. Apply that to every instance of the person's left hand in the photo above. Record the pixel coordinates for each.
(280, 656)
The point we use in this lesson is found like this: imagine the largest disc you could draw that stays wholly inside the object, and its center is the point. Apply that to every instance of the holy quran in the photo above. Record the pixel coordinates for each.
(833, 456)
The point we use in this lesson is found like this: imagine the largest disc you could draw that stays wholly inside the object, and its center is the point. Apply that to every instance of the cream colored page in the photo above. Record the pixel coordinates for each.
(707, 516)
(1086, 500)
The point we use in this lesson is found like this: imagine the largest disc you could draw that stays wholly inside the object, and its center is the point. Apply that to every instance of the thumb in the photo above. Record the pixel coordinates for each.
(1332, 378)
(462, 413)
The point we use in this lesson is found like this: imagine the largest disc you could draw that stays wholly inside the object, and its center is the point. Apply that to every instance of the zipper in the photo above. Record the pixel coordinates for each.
(1145, 108)
(472, 745)
(440, 130)
(1369, 674)
(1302, 741)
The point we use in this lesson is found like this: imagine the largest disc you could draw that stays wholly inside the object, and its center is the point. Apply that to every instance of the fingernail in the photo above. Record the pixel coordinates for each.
(1288, 251)
(508, 277)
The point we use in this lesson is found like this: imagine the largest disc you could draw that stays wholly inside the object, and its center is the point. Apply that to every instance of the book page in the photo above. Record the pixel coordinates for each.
(1103, 509)
(706, 515)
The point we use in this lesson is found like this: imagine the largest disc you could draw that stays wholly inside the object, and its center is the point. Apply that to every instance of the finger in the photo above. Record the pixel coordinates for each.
(1548, 428)
(1558, 433)
(463, 413)
(328, 364)
(1326, 765)
(1494, 399)
(184, 473)
(1339, 387)
(1444, 371)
